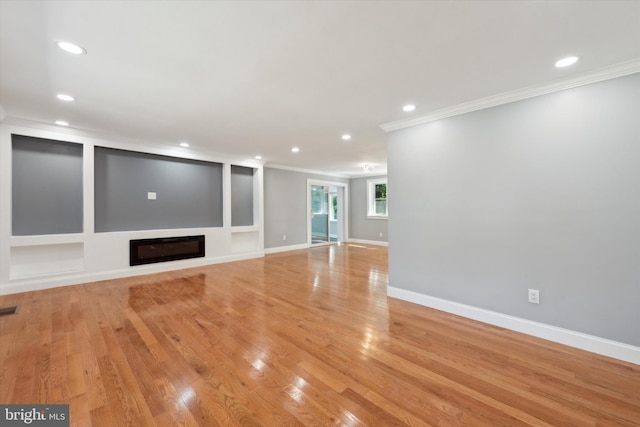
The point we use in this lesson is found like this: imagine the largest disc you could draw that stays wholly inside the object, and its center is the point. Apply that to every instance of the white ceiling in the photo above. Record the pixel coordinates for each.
(242, 78)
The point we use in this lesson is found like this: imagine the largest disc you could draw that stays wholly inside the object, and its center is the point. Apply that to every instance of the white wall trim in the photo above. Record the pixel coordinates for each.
(605, 347)
(369, 242)
(345, 202)
(380, 173)
(614, 71)
(67, 279)
(286, 248)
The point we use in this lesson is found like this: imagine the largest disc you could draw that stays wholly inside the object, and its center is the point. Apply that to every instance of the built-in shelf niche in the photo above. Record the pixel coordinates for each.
(49, 259)
(245, 239)
(242, 196)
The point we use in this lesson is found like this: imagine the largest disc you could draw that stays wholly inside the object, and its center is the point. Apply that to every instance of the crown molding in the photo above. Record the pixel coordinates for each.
(381, 172)
(607, 73)
(310, 171)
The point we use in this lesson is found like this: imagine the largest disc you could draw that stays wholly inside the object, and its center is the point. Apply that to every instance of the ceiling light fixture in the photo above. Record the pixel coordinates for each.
(346, 137)
(368, 168)
(258, 157)
(184, 144)
(295, 150)
(408, 108)
(62, 123)
(565, 62)
(65, 97)
(71, 48)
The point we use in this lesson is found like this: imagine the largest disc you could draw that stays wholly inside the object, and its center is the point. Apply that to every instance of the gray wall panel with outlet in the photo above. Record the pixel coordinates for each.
(188, 193)
(361, 227)
(542, 193)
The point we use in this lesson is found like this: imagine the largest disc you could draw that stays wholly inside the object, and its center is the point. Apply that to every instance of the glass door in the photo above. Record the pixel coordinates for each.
(319, 214)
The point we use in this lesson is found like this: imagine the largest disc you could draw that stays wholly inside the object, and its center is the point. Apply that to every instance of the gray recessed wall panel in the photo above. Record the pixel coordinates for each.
(241, 195)
(188, 192)
(46, 186)
(543, 193)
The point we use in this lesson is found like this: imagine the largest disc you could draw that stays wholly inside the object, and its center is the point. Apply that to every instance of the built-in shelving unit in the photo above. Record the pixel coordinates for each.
(46, 243)
(246, 234)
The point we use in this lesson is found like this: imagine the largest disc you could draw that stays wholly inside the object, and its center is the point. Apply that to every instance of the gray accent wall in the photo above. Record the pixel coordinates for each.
(241, 195)
(188, 192)
(542, 193)
(46, 186)
(285, 205)
(361, 227)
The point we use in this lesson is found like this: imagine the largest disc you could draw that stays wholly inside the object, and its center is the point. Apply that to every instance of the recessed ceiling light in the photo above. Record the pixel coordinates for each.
(65, 97)
(295, 149)
(408, 108)
(184, 144)
(62, 123)
(258, 157)
(346, 137)
(565, 62)
(71, 48)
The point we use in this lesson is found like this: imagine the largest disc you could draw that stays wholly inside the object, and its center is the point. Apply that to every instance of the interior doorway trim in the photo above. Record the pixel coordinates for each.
(344, 220)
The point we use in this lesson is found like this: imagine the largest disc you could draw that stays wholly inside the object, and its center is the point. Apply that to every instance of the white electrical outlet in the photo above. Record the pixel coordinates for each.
(151, 195)
(380, 234)
(534, 296)
(284, 237)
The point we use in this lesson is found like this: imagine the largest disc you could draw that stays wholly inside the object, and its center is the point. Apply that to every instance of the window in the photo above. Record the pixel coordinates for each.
(333, 212)
(377, 198)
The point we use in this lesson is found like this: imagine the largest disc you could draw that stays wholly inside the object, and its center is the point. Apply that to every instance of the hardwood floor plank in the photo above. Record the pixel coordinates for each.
(79, 411)
(305, 337)
(104, 416)
(269, 408)
(322, 375)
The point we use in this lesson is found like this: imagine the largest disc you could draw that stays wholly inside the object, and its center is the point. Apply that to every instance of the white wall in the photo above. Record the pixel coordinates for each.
(542, 193)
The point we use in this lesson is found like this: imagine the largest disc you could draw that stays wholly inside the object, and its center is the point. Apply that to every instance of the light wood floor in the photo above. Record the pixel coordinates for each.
(300, 338)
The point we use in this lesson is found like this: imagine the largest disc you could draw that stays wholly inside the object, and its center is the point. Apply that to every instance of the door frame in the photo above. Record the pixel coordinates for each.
(345, 208)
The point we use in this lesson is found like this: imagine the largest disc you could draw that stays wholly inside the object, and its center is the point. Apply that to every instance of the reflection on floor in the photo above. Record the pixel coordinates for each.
(316, 240)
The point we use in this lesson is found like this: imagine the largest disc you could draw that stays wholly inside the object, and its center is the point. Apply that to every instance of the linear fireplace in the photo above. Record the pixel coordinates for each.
(147, 251)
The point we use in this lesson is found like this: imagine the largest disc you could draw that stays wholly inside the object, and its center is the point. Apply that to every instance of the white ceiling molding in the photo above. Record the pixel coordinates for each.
(612, 72)
(310, 171)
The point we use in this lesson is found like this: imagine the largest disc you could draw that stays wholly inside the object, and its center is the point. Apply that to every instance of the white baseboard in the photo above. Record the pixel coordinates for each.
(76, 279)
(286, 248)
(368, 242)
(605, 347)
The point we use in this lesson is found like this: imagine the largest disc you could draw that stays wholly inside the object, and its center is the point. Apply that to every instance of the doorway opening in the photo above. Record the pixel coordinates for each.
(327, 203)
